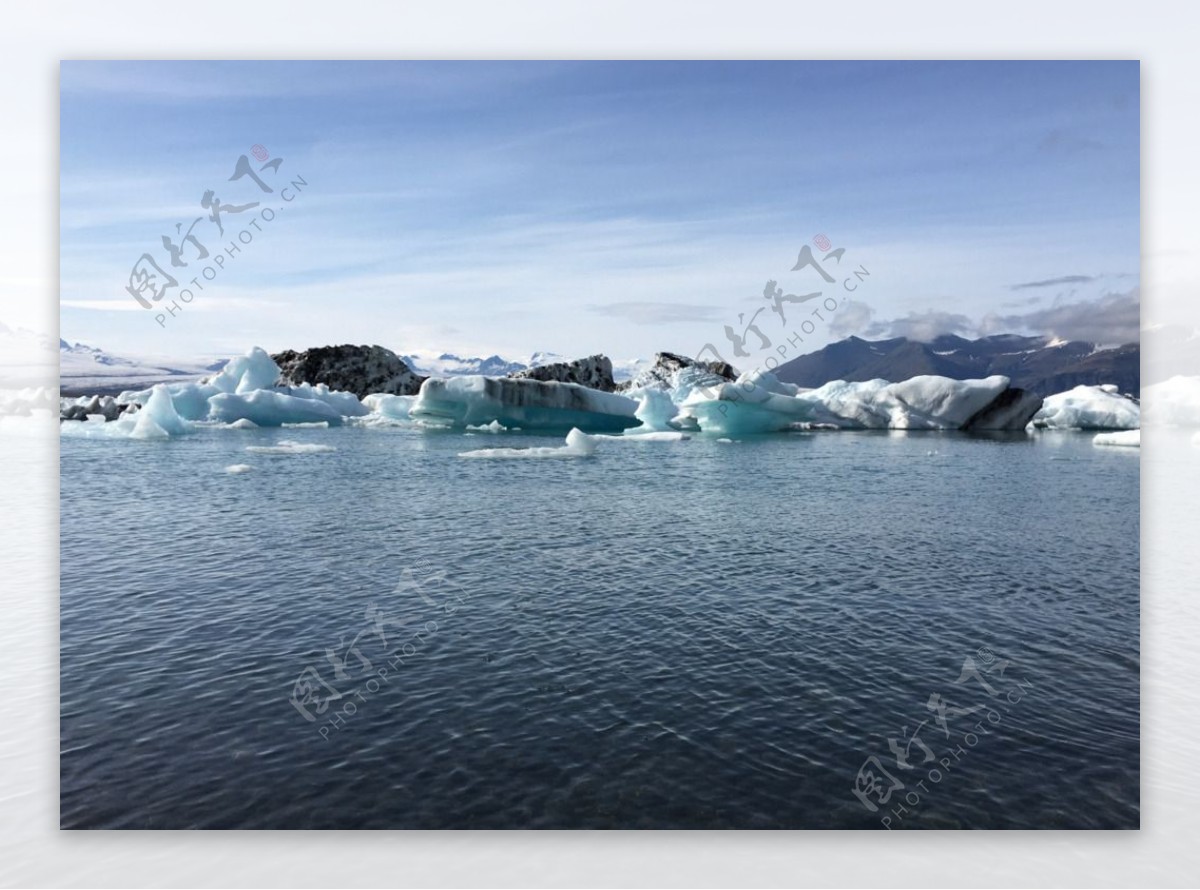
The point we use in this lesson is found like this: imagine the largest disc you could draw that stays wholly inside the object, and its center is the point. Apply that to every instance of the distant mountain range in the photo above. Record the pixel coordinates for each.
(87, 370)
(1038, 364)
(450, 365)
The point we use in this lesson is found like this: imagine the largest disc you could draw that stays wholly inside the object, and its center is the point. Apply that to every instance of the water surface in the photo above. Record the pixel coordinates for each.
(690, 635)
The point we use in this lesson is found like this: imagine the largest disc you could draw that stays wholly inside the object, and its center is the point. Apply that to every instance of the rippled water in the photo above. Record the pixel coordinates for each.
(689, 635)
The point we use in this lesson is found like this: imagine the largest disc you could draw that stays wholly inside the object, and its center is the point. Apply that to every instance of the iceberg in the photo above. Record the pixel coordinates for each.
(655, 410)
(1089, 408)
(528, 404)
(578, 444)
(157, 419)
(653, 436)
(388, 405)
(246, 391)
(246, 373)
(759, 402)
(1126, 438)
(1173, 402)
(267, 408)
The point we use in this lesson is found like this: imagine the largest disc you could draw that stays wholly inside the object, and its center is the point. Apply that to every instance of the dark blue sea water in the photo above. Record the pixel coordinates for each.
(687, 635)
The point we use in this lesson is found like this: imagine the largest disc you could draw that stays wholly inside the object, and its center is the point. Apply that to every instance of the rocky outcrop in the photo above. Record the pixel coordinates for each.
(357, 369)
(664, 373)
(594, 372)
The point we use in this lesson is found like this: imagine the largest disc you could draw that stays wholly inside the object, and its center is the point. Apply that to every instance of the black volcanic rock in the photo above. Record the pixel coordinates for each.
(357, 369)
(1030, 363)
(103, 405)
(594, 372)
(668, 364)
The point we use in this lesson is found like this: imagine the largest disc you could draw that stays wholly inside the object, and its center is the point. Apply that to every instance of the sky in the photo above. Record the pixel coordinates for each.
(581, 207)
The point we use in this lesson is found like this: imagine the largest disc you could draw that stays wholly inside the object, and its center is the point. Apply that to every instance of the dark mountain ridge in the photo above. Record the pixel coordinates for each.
(1036, 364)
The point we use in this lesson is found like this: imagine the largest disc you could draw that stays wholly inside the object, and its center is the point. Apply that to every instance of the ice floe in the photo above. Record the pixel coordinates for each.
(287, 446)
(578, 444)
(1126, 438)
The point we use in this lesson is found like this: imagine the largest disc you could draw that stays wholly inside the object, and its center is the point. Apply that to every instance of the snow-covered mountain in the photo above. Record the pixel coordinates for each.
(449, 365)
(87, 370)
(1038, 364)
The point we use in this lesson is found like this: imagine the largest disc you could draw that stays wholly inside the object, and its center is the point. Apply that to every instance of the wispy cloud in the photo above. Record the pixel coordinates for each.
(1110, 320)
(1055, 282)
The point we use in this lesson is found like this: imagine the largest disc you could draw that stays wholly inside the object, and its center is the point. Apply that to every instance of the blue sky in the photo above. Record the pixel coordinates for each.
(625, 207)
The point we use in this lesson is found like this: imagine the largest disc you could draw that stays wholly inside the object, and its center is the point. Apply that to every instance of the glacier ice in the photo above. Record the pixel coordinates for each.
(157, 419)
(578, 444)
(636, 435)
(247, 388)
(266, 408)
(1127, 438)
(346, 404)
(655, 410)
(529, 404)
(388, 405)
(758, 402)
(1089, 408)
(246, 373)
(677, 399)
(494, 427)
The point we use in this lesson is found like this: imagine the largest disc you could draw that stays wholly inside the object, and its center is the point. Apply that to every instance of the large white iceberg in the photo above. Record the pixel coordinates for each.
(528, 404)
(1089, 408)
(1174, 402)
(760, 403)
